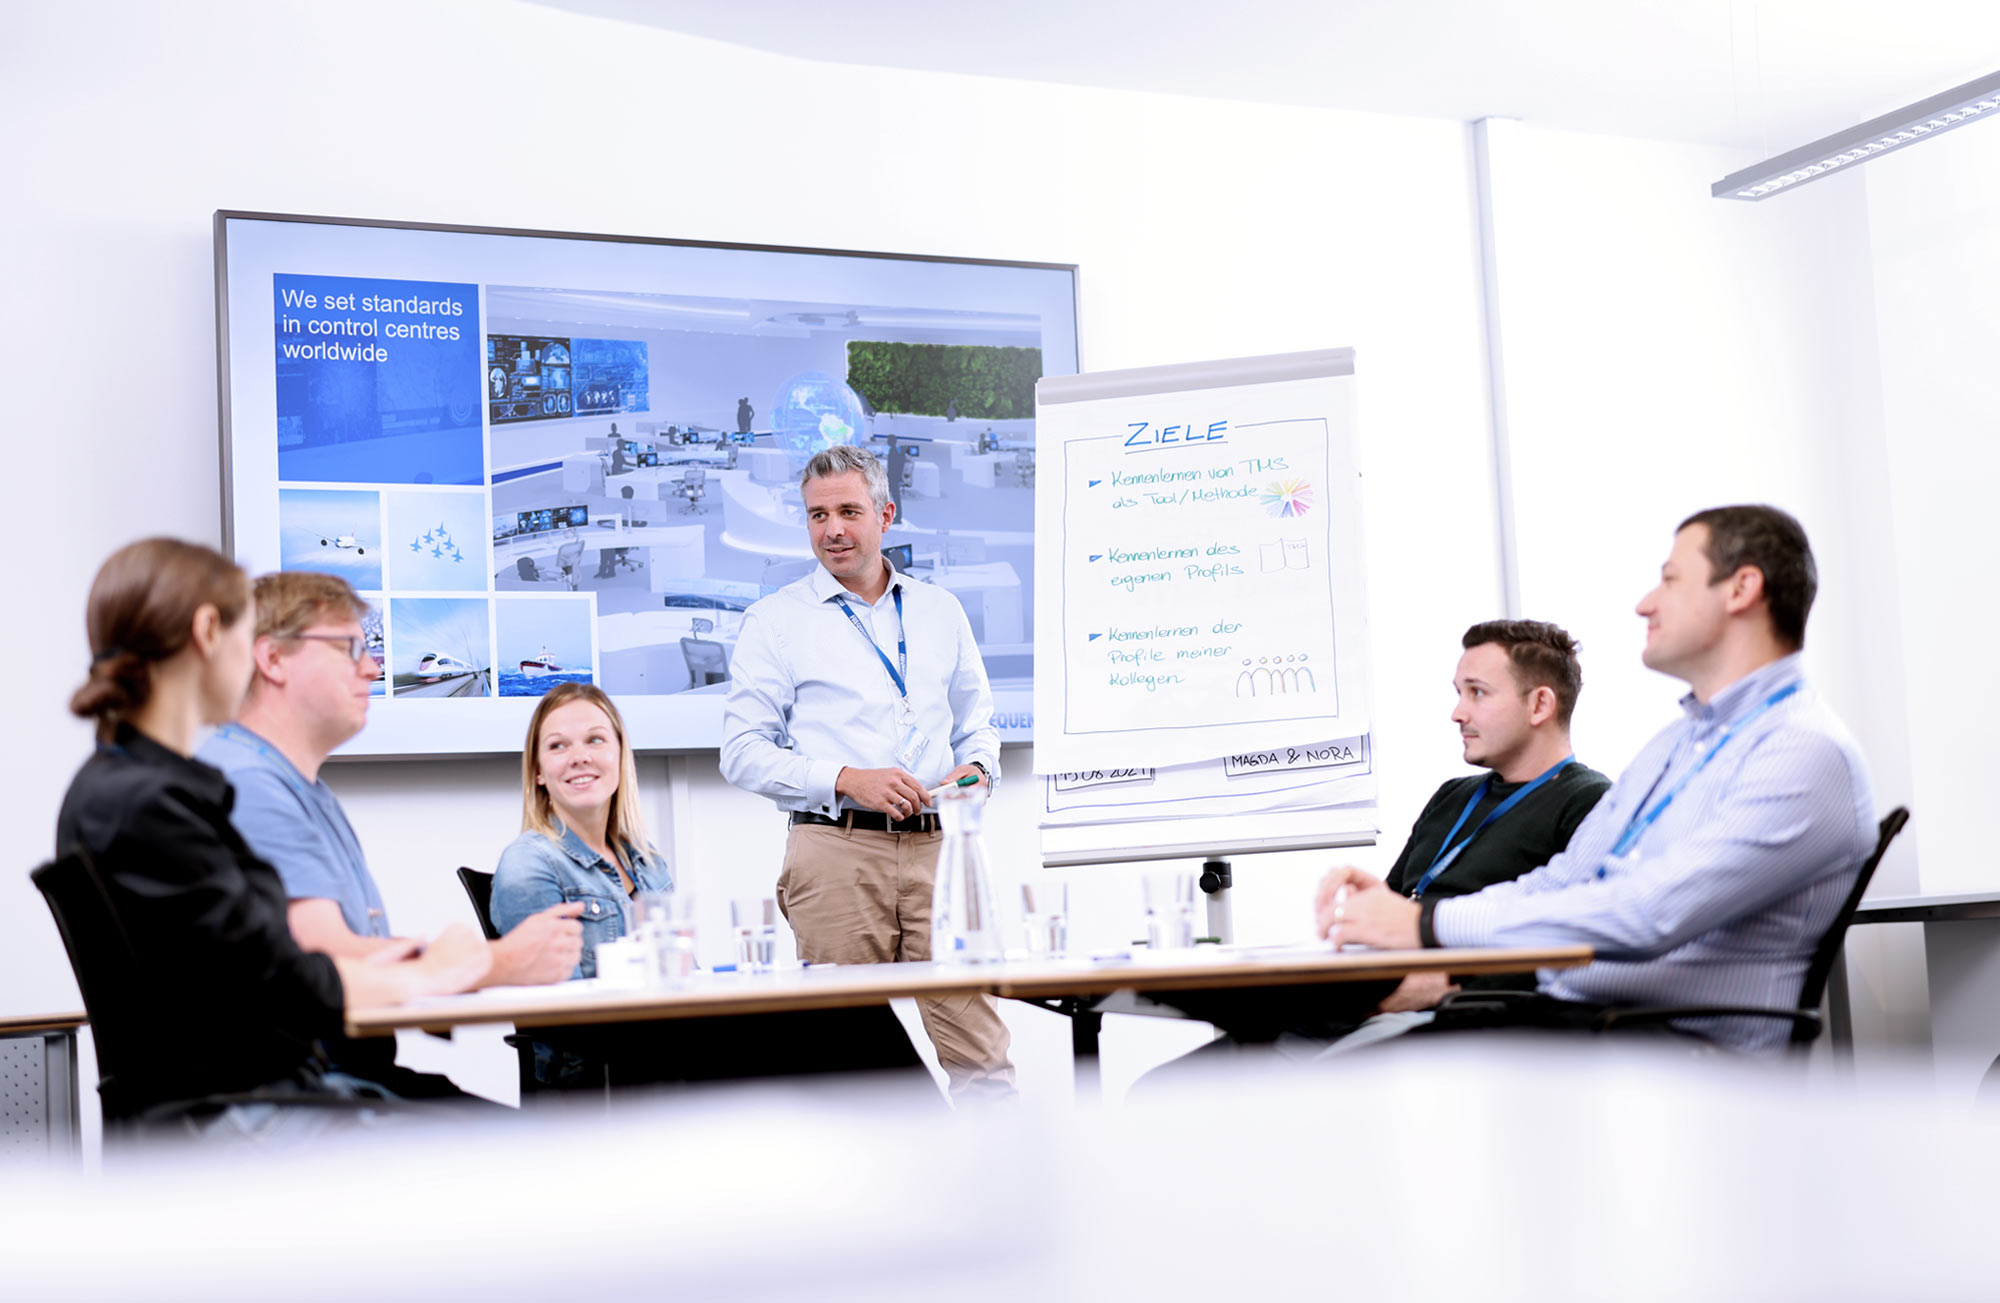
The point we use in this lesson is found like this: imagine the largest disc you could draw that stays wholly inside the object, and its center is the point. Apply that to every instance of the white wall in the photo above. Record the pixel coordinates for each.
(1204, 229)
(1666, 352)
(1935, 216)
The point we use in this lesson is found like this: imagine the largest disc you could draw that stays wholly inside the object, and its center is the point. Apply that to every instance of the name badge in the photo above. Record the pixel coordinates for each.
(911, 749)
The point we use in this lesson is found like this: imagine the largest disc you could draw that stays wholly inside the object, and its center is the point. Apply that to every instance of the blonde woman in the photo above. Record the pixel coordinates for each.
(582, 838)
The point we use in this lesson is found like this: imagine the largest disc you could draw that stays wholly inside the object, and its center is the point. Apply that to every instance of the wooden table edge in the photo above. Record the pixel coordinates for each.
(28, 1024)
(641, 1005)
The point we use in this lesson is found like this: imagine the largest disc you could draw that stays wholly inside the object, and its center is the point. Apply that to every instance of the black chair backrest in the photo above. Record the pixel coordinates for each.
(125, 1030)
(479, 886)
(1823, 960)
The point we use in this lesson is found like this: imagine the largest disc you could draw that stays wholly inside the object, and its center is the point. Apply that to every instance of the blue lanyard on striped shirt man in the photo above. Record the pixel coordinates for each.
(1642, 819)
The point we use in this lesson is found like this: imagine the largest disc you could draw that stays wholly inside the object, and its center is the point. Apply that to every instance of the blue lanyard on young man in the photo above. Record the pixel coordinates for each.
(1447, 853)
(900, 679)
(1643, 819)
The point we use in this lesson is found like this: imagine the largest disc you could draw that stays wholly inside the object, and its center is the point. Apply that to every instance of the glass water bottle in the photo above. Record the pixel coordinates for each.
(964, 927)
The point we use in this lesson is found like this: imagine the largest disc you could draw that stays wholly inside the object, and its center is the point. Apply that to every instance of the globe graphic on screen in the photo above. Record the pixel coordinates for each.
(814, 411)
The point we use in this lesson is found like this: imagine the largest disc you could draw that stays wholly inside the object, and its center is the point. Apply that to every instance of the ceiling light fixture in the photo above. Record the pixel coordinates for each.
(1872, 139)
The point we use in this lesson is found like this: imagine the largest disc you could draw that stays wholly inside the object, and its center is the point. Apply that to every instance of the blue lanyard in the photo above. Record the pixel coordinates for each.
(1445, 857)
(902, 647)
(1645, 819)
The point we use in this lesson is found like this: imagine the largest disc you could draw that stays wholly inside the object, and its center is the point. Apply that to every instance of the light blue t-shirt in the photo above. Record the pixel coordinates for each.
(297, 826)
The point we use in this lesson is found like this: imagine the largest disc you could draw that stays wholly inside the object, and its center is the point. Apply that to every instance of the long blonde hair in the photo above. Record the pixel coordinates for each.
(625, 824)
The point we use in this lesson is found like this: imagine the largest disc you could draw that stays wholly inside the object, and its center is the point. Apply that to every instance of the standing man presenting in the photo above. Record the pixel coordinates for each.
(852, 691)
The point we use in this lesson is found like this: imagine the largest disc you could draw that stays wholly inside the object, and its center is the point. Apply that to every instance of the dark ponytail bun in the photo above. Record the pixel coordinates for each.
(141, 612)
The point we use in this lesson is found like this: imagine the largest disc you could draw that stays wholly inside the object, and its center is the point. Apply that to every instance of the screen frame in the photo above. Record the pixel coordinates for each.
(220, 249)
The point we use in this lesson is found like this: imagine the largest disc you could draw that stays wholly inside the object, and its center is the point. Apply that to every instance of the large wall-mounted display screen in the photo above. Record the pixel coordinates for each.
(545, 457)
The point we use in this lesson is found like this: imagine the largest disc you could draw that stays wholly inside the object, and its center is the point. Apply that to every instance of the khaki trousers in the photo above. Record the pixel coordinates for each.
(855, 896)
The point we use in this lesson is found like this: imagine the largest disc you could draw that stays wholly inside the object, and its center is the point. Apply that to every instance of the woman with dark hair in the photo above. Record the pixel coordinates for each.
(242, 1008)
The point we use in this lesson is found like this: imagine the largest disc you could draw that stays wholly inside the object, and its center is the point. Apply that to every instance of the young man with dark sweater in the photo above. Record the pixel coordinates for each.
(1517, 684)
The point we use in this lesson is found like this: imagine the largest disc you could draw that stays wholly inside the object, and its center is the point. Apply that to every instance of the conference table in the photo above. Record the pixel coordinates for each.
(1083, 987)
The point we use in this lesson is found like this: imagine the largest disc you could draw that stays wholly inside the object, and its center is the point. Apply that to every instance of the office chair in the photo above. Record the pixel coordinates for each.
(625, 492)
(701, 624)
(611, 560)
(1024, 467)
(530, 573)
(134, 1020)
(707, 662)
(693, 487)
(567, 557)
(1805, 1018)
(479, 890)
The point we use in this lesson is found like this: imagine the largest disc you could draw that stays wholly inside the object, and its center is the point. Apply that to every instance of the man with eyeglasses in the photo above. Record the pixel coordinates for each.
(309, 691)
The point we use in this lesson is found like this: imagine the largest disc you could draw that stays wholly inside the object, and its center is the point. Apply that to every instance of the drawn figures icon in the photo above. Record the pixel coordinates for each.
(1275, 676)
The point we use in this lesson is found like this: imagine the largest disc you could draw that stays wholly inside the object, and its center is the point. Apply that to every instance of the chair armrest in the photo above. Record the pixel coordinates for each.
(1485, 999)
(1804, 1021)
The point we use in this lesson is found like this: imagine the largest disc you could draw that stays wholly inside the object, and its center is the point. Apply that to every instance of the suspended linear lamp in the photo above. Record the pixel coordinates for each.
(1891, 131)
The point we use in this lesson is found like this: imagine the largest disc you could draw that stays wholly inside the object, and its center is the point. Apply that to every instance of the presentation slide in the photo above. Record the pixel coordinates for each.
(560, 459)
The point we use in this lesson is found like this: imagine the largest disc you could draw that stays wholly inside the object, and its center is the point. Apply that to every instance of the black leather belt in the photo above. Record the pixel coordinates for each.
(872, 820)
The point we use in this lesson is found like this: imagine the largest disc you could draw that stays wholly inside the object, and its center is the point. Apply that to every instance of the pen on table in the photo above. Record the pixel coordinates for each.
(943, 789)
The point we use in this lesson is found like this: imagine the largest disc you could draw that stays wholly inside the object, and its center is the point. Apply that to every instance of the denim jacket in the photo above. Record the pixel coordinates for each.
(536, 872)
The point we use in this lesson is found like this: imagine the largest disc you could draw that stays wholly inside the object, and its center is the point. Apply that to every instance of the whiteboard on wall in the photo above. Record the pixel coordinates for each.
(1201, 641)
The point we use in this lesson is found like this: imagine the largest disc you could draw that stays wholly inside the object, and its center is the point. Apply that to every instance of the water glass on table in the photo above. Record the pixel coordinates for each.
(663, 922)
(755, 919)
(1169, 911)
(1045, 916)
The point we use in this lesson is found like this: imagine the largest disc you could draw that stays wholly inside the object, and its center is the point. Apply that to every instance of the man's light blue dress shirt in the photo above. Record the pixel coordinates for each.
(1725, 897)
(808, 694)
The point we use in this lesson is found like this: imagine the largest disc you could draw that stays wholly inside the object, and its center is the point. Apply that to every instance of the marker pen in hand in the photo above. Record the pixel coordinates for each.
(1339, 915)
(945, 789)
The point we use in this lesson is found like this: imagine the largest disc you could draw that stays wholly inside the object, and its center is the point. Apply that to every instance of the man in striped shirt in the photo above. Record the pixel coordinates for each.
(1717, 861)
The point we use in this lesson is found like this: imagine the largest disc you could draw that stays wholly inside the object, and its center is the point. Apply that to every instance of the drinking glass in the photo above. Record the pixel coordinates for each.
(1045, 916)
(663, 921)
(1169, 911)
(755, 919)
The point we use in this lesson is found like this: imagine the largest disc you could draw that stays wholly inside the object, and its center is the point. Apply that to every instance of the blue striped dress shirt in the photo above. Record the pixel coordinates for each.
(1721, 901)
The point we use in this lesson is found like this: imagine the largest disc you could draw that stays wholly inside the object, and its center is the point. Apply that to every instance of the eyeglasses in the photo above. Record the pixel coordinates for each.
(355, 648)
